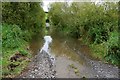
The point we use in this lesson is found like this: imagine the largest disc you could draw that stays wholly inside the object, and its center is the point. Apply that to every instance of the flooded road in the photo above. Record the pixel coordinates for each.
(36, 44)
(73, 60)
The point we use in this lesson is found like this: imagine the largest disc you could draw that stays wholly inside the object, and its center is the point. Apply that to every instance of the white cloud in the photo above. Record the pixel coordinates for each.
(47, 2)
(45, 5)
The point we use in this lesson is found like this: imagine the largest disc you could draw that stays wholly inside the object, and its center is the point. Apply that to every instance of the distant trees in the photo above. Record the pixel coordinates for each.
(95, 24)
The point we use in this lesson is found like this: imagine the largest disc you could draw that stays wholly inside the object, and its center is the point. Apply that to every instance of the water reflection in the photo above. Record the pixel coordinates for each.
(60, 48)
(71, 48)
(47, 42)
(36, 44)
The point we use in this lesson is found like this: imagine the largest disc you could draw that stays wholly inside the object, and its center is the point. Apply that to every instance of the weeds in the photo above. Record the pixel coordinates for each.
(14, 51)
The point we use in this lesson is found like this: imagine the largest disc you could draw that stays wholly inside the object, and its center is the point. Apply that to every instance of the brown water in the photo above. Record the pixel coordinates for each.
(68, 47)
(65, 51)
(36, 44)
(69, 51)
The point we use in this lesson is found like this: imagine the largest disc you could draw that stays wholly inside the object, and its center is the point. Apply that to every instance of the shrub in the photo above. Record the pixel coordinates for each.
(94, 24)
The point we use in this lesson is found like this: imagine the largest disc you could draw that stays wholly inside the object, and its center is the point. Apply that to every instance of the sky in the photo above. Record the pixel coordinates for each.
(45, 5)
(47, 2)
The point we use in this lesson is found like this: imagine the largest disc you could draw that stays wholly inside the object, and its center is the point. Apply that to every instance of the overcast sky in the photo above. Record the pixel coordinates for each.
(47, 2)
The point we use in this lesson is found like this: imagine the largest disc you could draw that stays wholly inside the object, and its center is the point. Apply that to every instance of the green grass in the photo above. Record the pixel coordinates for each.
(13, 43)
(46, 15)
(107, 51)
(99, 50)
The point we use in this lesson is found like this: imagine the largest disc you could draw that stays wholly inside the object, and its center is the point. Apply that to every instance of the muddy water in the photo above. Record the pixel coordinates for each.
(62, 46)
(68, 51)
(70, 47)
(64, 50)
(36, 44)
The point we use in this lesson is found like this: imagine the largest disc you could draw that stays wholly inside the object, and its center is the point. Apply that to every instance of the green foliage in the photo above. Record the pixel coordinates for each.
(11, 36)
(113, 39)
(12, 43)
(28, 15)
(97, 25)
(20, 21)
(23, 21)
(113, 54)
(0, 50)
(23, 52)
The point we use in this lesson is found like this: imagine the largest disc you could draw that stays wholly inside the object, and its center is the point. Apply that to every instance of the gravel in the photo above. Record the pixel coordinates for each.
(40, 67)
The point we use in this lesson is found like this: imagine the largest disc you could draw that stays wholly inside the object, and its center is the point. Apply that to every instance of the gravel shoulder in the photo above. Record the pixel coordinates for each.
(40, 67)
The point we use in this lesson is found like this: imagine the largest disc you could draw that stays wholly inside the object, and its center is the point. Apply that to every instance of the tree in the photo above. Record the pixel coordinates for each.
(29, 16)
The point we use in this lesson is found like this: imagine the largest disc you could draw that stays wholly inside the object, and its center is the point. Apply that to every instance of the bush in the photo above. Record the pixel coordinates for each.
(94, 24)
(11, 36)
(12, 44)
(29, 16)
(113, 54)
